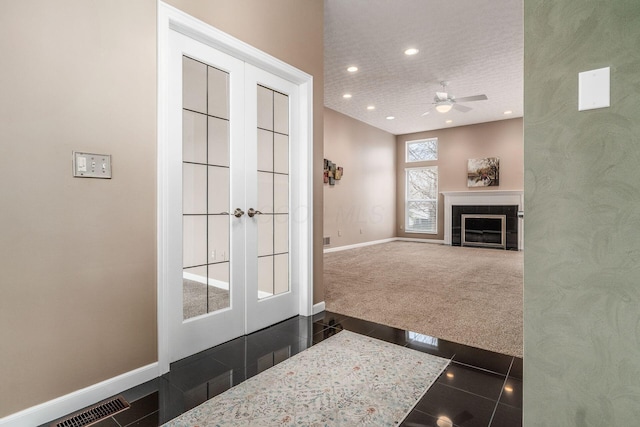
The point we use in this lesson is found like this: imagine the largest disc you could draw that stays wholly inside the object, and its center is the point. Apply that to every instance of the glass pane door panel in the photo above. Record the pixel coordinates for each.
(265, 192)
(265, 276)
(205, 189)
(265, 234)
(281, 153)
(218, 238)
(194, 240)
(218, 190)
(218, 142)
(194, 292)
(281, 193)
(218, 93)
(194, 85)
(280, 273)
(194, 137)
(265, 108)
(281, 234)
(194, 184)
(265, 150)
(218, 289)
(273, 192)
(280, 113)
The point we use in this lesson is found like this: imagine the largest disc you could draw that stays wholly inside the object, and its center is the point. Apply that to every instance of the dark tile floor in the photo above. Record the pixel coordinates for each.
(479, 388)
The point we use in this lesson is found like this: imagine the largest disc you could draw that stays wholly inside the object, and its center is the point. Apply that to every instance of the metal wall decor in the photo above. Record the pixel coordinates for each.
(332, 173)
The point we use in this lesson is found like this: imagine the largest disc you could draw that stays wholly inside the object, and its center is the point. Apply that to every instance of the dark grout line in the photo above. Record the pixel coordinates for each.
(481, 369)
(506, 378)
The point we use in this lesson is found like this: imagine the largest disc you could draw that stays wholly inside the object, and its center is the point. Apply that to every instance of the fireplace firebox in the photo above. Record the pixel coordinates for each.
(483, 230)
(491, 226)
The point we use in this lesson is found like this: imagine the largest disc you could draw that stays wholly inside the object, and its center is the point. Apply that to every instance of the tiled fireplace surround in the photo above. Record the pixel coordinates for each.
(481, 198)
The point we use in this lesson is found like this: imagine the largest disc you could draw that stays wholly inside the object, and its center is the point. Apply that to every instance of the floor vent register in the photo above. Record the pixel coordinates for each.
(94, 414)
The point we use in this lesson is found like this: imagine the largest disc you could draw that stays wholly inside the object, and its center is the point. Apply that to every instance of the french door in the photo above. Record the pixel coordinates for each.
(229, 203)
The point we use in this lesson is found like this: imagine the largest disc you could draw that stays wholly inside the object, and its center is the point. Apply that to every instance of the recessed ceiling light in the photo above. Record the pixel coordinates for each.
(411, 51)
(508, 112)
(346, 96)
(449, 121)
(371, 107)
(508, 389)
(352, 69)
(390, 117)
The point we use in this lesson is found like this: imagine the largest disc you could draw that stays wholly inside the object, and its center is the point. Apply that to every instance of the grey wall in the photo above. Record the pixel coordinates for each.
(582, 198)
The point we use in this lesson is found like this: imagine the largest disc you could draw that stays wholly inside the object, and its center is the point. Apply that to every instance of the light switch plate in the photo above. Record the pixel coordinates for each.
(89, 165)
(594, 89)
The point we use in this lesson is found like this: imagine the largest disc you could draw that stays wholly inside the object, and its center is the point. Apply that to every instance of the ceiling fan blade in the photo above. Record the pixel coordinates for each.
(472, 98)
(462, 108)
(441, 96)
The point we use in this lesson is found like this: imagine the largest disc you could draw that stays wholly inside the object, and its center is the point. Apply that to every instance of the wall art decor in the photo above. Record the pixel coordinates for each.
(332, 173)
(483, 172)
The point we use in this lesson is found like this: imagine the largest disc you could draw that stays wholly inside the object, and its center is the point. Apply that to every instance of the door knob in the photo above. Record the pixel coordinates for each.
(238, 213)
(253, 212)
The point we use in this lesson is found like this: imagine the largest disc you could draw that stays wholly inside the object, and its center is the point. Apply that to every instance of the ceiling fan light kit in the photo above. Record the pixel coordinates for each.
(444, 107)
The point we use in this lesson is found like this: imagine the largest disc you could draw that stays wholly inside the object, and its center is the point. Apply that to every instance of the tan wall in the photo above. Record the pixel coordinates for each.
(456, 145)
(361, 207)
(292, 31)
(78, 256)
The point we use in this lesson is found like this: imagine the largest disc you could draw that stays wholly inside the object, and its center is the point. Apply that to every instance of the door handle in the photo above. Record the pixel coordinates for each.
(253, 212)
(238, 213)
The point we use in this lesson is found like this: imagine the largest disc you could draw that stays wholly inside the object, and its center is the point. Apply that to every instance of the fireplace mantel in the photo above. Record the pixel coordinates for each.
(481, 198)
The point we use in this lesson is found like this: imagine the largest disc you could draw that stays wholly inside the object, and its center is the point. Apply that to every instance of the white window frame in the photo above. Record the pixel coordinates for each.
(406, 150)
(407, 200)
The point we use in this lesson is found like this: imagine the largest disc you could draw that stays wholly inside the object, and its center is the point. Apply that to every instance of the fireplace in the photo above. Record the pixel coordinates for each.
(481, 209)
(484, 231)
(491, 226)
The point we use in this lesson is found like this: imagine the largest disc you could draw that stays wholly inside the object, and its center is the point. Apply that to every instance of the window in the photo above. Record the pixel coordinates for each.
(421, 208)
(422, 150)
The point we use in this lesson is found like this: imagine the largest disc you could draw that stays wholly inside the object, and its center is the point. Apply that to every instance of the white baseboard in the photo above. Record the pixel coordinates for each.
(318, 308)
(63, 405)
(377, 242)
(359, 245)
(413, 239)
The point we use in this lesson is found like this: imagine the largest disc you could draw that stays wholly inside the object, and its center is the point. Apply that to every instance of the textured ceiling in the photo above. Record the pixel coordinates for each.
(476, 45)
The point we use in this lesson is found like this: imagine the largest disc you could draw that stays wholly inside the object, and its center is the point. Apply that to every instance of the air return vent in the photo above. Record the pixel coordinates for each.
(94, 414)
(326, 241)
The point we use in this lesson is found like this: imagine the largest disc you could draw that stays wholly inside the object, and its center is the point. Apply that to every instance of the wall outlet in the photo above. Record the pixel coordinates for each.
(339, 233)
(361, 231)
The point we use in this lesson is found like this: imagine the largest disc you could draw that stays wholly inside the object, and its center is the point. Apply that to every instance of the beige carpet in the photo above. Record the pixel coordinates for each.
(467, 295)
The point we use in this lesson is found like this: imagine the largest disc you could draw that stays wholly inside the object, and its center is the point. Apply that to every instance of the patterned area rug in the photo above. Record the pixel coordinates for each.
(346, 380)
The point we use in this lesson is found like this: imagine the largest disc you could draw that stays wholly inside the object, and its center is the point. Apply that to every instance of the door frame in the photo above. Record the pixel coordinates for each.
(170, 18)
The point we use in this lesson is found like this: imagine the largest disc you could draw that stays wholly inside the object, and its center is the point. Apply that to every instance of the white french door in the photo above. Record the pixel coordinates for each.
(230, 198)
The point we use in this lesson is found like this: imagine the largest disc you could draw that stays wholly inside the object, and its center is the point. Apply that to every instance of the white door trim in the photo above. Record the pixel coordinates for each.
(170, 18)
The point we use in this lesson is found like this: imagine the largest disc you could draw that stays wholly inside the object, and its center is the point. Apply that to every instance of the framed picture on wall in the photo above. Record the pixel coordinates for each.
(483, 172)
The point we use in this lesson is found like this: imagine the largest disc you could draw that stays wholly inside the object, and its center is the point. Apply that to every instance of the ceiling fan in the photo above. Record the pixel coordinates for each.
(444, 101)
